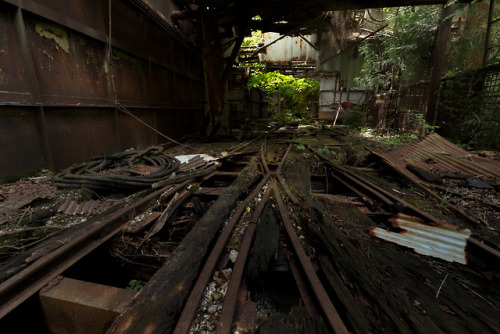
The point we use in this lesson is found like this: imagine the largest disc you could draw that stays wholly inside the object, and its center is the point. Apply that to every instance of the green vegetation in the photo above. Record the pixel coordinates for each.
(254, 39)
(404, 52)
(293, 96)
(135, 285)
(470, 119)
(401, 55)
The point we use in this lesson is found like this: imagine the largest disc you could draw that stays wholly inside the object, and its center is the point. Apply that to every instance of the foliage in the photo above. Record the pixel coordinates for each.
(254, 39)
(295, 96)
(324, 150)
(395, 138)
(417, 124)
(355, 118)
(466, 46)
(401, 54)
(404, 51)
(135, 285)
(302, 148)
(470, 120)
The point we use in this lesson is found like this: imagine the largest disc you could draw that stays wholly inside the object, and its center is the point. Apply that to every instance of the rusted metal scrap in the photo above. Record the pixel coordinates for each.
(72, 207)
(441, 240)
(437, 154)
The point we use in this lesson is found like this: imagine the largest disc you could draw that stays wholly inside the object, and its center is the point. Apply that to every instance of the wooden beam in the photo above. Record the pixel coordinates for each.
(158, 304)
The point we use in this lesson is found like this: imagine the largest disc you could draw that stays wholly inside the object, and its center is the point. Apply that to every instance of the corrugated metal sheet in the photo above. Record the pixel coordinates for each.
(437, 154)
(443, 241)
(288, 49)
(71, 207)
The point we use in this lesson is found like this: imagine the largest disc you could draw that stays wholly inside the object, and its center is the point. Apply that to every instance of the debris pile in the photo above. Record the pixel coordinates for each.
(196, 232)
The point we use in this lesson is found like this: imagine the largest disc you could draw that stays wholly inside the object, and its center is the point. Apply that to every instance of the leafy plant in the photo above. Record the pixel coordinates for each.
(467, 116)
(324, 150)
(135, 285)
(301, 147)
(254, 39)
(294, 96)
(404, 51)
(417, 123)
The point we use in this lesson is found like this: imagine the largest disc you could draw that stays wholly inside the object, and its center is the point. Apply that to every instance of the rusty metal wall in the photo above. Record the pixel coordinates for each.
(288, 49)
(18, 130)
(55, 78)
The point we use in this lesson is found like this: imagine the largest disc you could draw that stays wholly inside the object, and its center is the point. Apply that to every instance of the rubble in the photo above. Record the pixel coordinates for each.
(332, 207)
(442, 240)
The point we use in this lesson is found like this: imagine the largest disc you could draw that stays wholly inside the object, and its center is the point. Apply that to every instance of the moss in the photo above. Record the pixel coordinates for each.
(43, 233)
(18, 176)
(83, 194)
(54, 32)
(60, 220)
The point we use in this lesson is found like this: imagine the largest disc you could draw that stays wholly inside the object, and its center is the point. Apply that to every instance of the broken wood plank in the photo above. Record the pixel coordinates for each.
(176, 201)
(156, 307)
(134, 227)
(387, 280)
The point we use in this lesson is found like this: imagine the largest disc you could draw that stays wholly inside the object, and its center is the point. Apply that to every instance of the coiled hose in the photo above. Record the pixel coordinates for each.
(110, 172)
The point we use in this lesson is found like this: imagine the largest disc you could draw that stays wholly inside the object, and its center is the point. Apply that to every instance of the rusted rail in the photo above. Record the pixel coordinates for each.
(229, 306)
(390, 199)
(329, 312)
(189, 310)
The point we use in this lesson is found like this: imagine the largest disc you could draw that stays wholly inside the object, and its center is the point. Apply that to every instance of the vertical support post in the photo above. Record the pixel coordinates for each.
(212, 67)
(116, 129)
(44, 138)
(29, 66)
(27, 58)
(488, 32)
(438, 61)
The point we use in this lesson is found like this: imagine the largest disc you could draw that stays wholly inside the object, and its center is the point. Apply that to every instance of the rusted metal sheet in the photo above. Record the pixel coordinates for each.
(288, 49)
(56, 53)
(16, 201)
(77, 135)
(69, 68)
(437, 154)
(18, 133)
(72, 207)
(442, 240)
(73, 306)
(15, 86)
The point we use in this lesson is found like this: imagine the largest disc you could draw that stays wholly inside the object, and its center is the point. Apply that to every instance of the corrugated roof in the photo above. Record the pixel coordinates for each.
(436, 153)
(443, 241)
(72, 207)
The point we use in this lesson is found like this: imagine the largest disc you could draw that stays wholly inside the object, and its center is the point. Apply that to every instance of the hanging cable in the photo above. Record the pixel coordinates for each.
(117, 103)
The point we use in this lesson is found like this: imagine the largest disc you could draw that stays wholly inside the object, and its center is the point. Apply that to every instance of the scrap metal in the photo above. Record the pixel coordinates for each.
(437, 154)
(72, 207)
(444, 241)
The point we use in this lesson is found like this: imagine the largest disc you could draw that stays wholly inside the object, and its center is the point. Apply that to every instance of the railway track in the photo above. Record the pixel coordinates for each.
(213, 249)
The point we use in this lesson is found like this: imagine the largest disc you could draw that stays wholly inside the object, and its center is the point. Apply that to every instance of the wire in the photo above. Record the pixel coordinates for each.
(117, 103)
